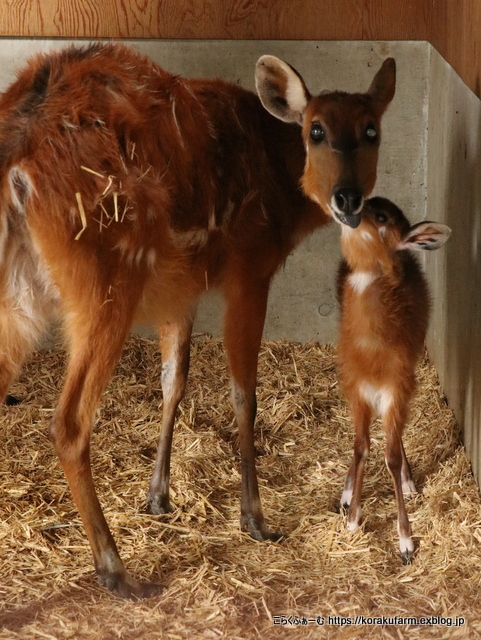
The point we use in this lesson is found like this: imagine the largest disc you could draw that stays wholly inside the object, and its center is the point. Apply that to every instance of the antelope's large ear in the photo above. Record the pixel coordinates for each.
(383, 85)
(281, 89)
(425, 236)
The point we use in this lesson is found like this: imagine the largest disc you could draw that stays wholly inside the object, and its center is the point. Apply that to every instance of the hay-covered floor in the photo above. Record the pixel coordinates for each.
(218, 582)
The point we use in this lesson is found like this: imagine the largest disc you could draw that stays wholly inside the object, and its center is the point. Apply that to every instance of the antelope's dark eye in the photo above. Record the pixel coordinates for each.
(317, 132)
(381, 217)
(371, 133)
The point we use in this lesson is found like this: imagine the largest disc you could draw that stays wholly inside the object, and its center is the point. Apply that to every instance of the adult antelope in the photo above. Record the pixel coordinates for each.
(385, 304)
(124, 191)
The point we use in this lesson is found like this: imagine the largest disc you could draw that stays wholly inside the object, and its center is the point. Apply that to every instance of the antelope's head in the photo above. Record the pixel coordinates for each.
(341, 132)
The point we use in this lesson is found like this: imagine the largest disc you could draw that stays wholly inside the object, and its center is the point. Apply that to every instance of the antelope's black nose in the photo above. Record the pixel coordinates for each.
(348, 200)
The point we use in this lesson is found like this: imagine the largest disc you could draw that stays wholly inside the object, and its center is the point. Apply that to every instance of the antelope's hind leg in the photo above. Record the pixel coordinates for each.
(99, 318)
(175, 347)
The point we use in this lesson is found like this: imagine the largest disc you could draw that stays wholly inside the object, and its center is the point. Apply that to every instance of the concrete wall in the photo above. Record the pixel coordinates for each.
(454, 197)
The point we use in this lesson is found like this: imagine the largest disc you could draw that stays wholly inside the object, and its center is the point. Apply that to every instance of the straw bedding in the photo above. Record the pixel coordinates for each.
(218, 582)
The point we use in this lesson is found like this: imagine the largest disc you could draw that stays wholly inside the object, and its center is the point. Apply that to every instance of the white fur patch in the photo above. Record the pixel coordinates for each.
(295, 92)
(19, 181)
(295, 95)
(408, 487)
(336, 211)
(29, 293)
(366, 235)
(111, 561)
(382, 232)
(406, 543)
(360, 280)
(353, 524)
(346, 497)
(238, 396)
(168, 376)
(380, 399)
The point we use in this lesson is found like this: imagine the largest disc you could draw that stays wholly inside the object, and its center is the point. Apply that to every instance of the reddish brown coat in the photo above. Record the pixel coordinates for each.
(385, 302)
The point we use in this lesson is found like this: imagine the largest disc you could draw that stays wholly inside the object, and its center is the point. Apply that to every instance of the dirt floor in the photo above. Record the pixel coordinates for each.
(218, 582)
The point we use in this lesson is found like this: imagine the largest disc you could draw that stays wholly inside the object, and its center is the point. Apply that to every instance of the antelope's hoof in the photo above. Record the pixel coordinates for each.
(258, 529)
(11, 401)
(124, 586)
(158, 504)
(407, 557)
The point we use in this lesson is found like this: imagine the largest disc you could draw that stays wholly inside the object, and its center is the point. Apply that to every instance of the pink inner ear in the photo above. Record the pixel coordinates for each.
(426, 235)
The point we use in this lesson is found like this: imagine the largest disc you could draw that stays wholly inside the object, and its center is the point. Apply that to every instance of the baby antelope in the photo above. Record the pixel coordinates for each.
(385, 303)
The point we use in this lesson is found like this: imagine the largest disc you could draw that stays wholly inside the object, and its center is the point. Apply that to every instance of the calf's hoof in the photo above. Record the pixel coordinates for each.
(406, 550)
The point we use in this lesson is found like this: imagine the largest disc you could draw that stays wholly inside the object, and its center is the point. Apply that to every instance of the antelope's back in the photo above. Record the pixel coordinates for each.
(101, 146)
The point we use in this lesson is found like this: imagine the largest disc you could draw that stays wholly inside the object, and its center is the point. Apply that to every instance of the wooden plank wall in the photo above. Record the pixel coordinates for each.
(452, 26)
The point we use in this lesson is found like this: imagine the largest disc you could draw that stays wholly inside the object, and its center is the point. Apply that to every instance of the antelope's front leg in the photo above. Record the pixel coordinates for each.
(244, 323)
(175, 347)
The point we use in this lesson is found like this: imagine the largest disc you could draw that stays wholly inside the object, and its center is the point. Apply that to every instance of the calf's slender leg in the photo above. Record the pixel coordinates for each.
(351, 496)
(394, 421)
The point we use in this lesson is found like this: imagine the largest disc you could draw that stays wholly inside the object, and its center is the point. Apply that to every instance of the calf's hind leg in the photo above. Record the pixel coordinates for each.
(394, 421)
(361, 413)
